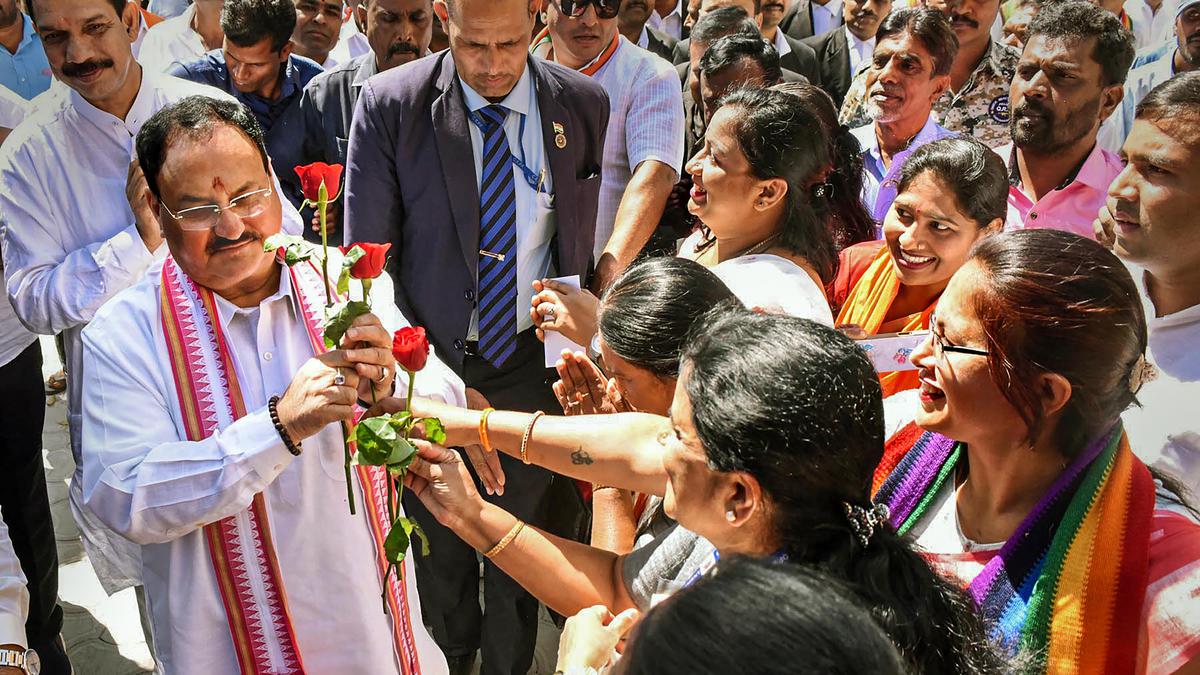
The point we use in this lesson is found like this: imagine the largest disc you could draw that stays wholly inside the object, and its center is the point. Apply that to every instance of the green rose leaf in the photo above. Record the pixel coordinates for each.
(406, 527)
(435, 432)
(338, 319)
(343, 282)
(395, 547)
(402, 454)
(376, 439)
(295, 249)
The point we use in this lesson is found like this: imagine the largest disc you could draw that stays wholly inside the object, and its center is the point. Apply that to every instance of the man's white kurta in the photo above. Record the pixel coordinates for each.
(148, 483)
(70, 242)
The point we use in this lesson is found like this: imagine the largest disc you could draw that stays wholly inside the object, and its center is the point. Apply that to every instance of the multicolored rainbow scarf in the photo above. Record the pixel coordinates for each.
(241, 546)
(1068, 585)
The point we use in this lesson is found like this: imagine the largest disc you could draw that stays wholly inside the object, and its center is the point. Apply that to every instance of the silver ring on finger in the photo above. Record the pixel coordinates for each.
(549, 314)
(339, 380)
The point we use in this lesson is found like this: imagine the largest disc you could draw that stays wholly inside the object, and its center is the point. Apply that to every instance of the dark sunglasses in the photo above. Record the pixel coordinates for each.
(605, 9)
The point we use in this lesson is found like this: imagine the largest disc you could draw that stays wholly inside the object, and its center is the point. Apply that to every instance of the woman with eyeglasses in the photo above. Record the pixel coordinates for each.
(775, 429)
(1016, 477)
(951, 194)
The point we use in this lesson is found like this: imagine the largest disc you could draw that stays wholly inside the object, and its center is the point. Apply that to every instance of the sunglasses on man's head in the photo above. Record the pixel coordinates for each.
(605, 9)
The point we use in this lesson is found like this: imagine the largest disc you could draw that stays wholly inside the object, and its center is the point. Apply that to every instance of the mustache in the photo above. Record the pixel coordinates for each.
(80, 69)
(403, 48)
(958, 18)
(1028, 106)
(220, 243)
(864, 14)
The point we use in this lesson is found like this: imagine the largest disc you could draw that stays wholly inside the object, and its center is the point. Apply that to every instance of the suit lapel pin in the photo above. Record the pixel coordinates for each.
(560, 138)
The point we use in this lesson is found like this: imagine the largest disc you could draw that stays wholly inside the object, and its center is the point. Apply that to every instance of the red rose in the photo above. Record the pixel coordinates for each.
(370, 266)
(411, 348)
(312, 175)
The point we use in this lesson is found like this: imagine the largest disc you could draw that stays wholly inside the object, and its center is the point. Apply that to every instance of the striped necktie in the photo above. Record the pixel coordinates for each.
(497, 287)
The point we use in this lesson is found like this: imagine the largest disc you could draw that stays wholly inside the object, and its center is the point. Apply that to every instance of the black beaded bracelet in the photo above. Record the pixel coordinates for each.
(292, 447)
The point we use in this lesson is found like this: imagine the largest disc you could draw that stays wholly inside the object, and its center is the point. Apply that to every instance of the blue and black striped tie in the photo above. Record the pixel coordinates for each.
(497, 242)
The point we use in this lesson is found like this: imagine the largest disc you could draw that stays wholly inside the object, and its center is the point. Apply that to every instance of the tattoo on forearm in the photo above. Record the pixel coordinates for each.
(579, 456)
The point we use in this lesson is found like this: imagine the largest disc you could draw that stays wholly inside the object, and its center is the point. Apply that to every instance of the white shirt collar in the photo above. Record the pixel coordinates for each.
(226, 310)
(644, 38)
(518, 100)
(143, 105)
(677, 11)
(781, 43)
(834, 7)
(854, 42)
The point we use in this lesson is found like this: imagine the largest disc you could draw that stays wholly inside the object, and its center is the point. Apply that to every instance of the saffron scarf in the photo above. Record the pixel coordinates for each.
(241, 546)
(1068, 586)
(867, 306)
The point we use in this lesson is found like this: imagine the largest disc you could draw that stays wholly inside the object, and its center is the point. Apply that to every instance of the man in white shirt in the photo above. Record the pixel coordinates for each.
(807, 18)
(643, 150)
(1185, 57)
(213, 427)
(184, 37)
(667, 18)
(14, 607)
(1150, 20)
(318, 27)
(1150, 220)
(843, 50)
(25, 500)
(71, 239)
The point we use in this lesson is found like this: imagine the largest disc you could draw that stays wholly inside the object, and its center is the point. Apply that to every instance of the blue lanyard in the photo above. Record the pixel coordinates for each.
(534, 180)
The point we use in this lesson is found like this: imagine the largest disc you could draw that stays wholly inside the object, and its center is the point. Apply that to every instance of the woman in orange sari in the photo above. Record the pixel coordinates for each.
(952, 192)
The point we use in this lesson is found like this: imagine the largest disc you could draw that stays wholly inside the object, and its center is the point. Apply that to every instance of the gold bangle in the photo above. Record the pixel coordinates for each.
(597, 488)
(506, 540)
(483, 430)
(527, 434)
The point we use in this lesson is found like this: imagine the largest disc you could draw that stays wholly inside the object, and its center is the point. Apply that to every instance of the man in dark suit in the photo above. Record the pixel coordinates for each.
(844, 51)
(806, 18)
(793, 55)
(481, 166)
(631, 22)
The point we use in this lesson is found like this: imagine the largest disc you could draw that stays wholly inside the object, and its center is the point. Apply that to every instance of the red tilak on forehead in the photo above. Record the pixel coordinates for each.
(217, 184)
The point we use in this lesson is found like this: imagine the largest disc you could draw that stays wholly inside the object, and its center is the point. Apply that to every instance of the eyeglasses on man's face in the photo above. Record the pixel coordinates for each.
(605, 9)
(200, 218)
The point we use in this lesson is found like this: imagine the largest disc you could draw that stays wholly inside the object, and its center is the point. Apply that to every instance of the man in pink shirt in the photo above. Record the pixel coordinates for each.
(1069, 80)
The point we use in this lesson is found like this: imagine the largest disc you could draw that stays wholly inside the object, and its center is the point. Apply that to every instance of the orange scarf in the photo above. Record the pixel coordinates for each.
(867, 306)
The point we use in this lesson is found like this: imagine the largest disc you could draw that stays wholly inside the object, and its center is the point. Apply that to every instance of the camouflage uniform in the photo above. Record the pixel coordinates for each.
(980, 109)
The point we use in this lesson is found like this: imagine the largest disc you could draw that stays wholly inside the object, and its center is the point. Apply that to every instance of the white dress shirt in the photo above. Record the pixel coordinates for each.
(536, 221)
(70, 242)
(146, 481)
(351, 44)
(645, 123)
(781, 44)
(671, 24)
(1150, 27)
(860, 51)
(143, 30)
(1165, 431)
(826, 17)
(170, 41)
(14, 595)
(14, 337)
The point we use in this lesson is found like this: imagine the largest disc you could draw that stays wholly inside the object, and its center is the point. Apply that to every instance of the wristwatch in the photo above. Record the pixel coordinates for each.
(27, 660)
(593, 349)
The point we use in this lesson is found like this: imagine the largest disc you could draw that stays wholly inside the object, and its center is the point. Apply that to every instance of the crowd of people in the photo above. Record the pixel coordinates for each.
(764, 336)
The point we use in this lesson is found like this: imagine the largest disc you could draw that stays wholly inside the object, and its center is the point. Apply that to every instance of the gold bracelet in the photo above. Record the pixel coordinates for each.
(527, 434)
(506, 540)
(597, 488)
(483, 430)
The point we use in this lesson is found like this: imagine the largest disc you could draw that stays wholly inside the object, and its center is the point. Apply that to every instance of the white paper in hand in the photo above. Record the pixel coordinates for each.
(555, 341)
